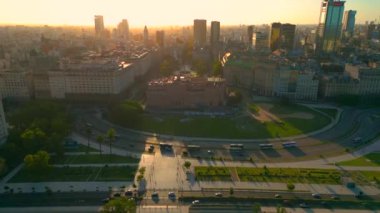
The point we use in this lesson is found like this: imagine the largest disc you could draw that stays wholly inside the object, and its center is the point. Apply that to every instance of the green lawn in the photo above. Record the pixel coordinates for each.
(114, 173)
(281, 175)
(286, 175)
(366, 177)
(204, 173)
(330, 111)
(93, 159)
(236, 126)
(372, 159)
(81, 148)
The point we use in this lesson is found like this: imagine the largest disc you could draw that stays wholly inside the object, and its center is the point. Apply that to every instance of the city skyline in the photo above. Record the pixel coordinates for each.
(162, 13)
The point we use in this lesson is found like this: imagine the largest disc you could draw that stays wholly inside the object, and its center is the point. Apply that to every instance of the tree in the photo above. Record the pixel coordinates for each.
(100, 140)
(231, 191)
(38, 162)
(120, 205)
(280, 209)
(88, 133)
(187, 164)
(111, 134)
(3, 167)
(217, 68)
(256, 208)
(290, 186)
(200, 66)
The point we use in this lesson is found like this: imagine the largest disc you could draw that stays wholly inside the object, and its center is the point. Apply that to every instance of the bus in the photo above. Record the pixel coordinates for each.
(266, 146)
(193, 147)
(236, 147)
(289, 144)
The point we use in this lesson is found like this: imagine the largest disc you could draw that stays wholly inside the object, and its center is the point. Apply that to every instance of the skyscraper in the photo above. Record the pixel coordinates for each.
(288, 32)
(200, 30)
(215, 33)
(99, 25)
(349, 21)
(249, 35)
(275, 35)
(330, 26)
(160, 38)
(146, 35)
(123, 29)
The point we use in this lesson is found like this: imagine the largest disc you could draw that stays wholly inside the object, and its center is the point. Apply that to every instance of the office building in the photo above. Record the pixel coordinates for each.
(99, 25)
(146, 36)
(160, 38)
(349, 22)
(260, 41)
(215, 33)
(250, 35)
(275, 36)
(123, 29)
(330, 26)
(200, 31)
(288, 33)
(3, 123)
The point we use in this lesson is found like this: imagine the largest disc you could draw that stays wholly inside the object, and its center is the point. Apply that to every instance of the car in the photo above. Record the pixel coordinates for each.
(154, 194)
(277, 196)
(316, 196)
(357, 140)
(128, 193)
(105, 200)
(171, 194)
(117, 195)
(334, 197)
(210, 152)
(304, 205)
(195, 202)
(218, 194)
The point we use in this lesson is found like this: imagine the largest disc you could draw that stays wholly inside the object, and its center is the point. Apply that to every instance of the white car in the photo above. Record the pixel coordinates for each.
(195, 202)
(218, 194)
(171, 194)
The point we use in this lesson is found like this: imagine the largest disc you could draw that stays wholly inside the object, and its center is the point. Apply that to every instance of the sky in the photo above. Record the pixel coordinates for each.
(173, 12)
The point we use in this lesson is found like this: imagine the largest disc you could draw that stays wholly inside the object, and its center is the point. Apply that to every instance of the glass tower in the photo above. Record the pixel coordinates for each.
(330, 26)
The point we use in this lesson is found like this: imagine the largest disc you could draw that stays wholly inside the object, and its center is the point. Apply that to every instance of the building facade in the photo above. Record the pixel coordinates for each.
(200, 32)
(275, 36)
(185, 92)
(330, 26)
(215, 33)
(349, 22)
(99, 25)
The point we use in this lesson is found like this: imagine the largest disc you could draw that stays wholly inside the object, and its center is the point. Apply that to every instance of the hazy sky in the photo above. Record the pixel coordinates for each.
(173, 12)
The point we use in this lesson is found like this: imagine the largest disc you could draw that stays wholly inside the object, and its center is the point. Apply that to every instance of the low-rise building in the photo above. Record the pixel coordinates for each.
(186, 92)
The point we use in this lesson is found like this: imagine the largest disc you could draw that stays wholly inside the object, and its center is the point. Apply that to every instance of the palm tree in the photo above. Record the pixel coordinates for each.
(88, 133)
(111, 133)
(100, 140)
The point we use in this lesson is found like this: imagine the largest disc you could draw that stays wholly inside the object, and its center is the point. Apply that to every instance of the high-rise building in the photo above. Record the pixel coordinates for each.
(349, 21)
(123, 29)
(146, 35)
(99, 25)
(200, 31)
(371, 31)
(215, 33)
(3, 124)
(250, 35)
(288, 32)
(260, 41)
(160, 38)
(275, 35)
(330, 26)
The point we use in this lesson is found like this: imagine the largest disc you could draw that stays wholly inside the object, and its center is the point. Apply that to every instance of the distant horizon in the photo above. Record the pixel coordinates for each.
(173, 13)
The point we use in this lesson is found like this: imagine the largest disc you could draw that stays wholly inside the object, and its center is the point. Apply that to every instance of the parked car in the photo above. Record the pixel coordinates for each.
(155, 194)
(304, 205)
(277, 196)
(128, 193)
(334, 197)
(316, 196)
(171, 194)
(117, 195)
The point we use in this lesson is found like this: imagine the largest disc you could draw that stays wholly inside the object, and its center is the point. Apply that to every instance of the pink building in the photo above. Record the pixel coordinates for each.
(186, 92)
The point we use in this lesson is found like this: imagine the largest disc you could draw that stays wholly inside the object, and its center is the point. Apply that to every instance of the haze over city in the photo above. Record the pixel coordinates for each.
(172, 12)
(189, 106)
